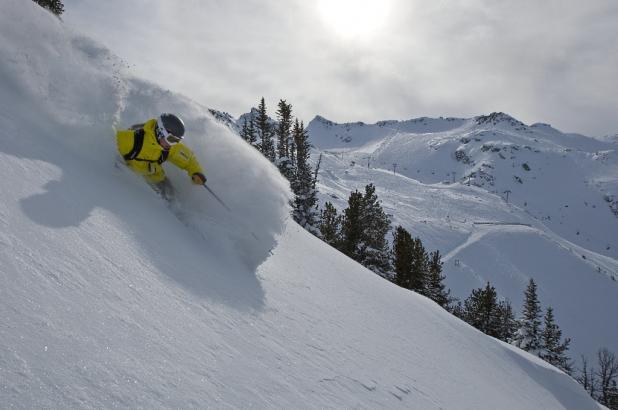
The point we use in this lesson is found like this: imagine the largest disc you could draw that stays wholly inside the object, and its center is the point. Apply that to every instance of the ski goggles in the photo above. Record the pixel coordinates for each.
(163, 133)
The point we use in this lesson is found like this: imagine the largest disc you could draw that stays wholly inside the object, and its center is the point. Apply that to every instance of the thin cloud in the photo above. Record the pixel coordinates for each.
(552, 61)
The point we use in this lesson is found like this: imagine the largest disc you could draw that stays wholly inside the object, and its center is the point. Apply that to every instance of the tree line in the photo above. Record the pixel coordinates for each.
(540, 336)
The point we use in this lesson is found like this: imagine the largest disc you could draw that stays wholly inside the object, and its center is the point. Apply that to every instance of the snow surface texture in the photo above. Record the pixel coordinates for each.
(450, 188)
(109, 299)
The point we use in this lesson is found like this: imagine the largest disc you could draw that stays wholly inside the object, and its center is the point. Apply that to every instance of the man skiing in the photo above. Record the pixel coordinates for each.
(145, 147)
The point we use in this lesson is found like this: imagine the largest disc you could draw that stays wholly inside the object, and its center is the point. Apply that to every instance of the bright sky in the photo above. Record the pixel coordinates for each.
(553, 61)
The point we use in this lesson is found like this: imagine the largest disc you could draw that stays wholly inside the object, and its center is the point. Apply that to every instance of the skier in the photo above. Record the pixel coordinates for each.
(145, 147)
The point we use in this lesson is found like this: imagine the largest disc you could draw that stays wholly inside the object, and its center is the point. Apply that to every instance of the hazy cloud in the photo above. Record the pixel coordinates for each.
(551, 61)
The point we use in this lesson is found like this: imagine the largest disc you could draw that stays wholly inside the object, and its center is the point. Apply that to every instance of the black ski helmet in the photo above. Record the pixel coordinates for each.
(171, 125)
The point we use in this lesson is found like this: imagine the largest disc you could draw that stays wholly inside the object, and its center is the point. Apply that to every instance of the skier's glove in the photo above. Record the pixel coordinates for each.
(198, 178)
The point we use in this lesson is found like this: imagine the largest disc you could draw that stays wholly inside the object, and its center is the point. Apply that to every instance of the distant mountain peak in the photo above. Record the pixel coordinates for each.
(496, 118)
(224, 118)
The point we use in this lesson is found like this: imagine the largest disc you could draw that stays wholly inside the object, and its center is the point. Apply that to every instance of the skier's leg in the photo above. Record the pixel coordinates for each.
(159, 182)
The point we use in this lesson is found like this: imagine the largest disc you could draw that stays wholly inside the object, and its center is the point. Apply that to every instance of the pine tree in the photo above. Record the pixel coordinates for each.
(330, 225)
(420, 267)
(481, 310)
(304, 182)
(457, 310)
(402, 257)
(411, 265)
(507, 324)
(528, 335)
(351, 229)
(247, 132)
(363, 232)
(435, 281)
(553, 349)
(55, 6)
(284, 126)
(252, 132)
(244, 131)
(374, 251)
(264, 131)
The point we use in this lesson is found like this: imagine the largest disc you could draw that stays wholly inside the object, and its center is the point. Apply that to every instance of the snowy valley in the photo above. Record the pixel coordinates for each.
(503, 201)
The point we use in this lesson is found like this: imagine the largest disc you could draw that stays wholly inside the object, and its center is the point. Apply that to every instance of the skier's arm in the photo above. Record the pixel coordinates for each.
(184, 158)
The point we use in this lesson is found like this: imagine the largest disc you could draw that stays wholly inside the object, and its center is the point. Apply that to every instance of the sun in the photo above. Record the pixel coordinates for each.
(354, 19)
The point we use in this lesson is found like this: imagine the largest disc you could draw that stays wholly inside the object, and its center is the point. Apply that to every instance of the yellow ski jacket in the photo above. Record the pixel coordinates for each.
(148, 159)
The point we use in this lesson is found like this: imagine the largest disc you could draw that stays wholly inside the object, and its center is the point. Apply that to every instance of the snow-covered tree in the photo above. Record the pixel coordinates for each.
(553, 349)
(508, 324)
(282, 131)
(265, 133)
(247, 131)
(528, 335)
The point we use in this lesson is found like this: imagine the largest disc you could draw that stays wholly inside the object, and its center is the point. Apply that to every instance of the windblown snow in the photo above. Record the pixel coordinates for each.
(111, 299)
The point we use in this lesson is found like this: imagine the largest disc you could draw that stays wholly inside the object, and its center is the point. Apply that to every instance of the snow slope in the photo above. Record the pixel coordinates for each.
(110, 299)
(450, 188)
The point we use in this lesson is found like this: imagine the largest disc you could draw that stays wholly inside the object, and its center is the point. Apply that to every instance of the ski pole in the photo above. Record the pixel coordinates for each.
(227, 207)
(217, 198)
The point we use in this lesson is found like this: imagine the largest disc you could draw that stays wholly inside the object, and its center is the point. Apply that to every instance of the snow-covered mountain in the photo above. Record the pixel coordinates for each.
(502, 200)
(110, 298)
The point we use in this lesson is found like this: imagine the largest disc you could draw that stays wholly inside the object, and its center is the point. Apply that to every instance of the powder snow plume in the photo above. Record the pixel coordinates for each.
(84, 92)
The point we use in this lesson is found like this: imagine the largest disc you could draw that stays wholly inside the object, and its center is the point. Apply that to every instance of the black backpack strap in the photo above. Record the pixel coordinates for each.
(163, 156)
(136, 127)
(138, 143)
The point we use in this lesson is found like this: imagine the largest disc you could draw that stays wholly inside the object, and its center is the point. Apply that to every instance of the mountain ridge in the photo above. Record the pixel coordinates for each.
(492, 168)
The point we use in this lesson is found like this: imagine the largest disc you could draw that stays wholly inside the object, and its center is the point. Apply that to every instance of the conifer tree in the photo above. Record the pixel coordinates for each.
(374, 252)
(284, 126)
(420, 267)
(264, 132)
(553, 349)
(481, 310)
(528, 335)
(244, 131)
(457, 310)
(351, 229)
(435, 281)
(402, 257)
(303, 182)
(247, 131)
(55, 6)
(507, 324)
(363, 232)
(330, 225)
